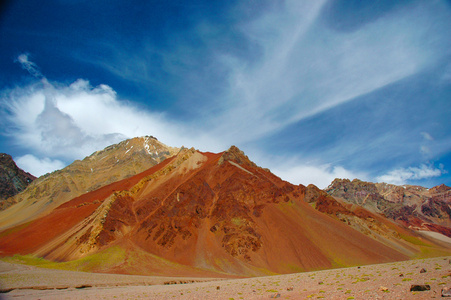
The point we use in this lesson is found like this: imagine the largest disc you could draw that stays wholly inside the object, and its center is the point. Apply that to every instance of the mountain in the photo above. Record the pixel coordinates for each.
(13, 180)
(415, 207)
(109, 165)
(211, 214)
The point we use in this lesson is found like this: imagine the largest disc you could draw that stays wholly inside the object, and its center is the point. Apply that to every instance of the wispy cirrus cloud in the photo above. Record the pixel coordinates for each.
(313, 67)
(28, 65)
(308, 67)
(303, 66)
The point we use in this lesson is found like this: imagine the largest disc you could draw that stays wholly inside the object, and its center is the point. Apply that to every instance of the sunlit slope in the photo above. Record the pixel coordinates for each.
(216, 214)
(103, 167)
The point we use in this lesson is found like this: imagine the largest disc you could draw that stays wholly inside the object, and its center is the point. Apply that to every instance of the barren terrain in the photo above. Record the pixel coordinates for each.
(208, 215)
(379, 281)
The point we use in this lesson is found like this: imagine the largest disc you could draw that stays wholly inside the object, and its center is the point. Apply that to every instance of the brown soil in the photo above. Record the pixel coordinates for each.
(380, 281)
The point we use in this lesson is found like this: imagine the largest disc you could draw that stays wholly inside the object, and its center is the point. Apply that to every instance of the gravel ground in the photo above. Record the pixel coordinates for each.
(382, 281)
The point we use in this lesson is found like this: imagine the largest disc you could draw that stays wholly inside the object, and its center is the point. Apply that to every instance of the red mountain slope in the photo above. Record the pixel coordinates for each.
(202, 214)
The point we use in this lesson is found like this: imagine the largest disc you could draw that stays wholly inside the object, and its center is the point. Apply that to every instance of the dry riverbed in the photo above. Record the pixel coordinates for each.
(382, 281)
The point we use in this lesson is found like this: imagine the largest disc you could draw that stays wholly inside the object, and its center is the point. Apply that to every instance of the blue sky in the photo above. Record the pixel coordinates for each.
(312, 90)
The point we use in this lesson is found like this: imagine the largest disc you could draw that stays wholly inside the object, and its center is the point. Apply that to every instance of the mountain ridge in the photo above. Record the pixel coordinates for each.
(415, 207)
(212, 213)
(203, 214)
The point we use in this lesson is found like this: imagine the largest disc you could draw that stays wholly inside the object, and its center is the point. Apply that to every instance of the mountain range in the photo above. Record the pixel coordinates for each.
(416, 207)
(141, 207)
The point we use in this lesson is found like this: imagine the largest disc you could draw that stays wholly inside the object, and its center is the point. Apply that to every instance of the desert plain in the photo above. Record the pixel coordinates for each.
(378, 281)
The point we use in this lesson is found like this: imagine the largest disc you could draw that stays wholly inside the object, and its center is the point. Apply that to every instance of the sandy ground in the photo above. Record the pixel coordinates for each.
(382, 281)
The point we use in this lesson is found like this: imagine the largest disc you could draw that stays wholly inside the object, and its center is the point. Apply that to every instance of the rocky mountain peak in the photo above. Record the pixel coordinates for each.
(440, 189)
(103, 167)
(355, 191)
(143, 146)
(338, 182)
(236, 155)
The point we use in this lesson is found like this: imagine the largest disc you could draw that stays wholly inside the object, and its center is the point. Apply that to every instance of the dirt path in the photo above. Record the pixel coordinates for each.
(383, 281)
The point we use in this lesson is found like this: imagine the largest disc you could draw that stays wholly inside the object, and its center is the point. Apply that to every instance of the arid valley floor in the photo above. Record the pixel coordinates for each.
(381, 281)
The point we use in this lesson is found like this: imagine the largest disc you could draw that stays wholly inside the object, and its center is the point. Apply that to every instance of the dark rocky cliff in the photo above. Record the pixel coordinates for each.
(13, 180)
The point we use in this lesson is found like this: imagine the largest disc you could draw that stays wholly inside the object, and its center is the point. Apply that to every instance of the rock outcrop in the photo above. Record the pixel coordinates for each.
(13, 180)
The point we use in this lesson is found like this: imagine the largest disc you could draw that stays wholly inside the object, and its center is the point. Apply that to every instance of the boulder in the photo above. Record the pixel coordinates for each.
(420, 287)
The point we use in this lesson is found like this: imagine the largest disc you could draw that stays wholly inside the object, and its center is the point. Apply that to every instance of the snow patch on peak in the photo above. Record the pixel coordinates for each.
(149, 144)
(147, 147)
(129, 150)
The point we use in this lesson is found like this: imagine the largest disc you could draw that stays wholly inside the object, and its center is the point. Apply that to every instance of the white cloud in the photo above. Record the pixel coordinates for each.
(404, 175)
(66, 122)
(28, 65)
(36, 122)
(319, 175)
(38, 166)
